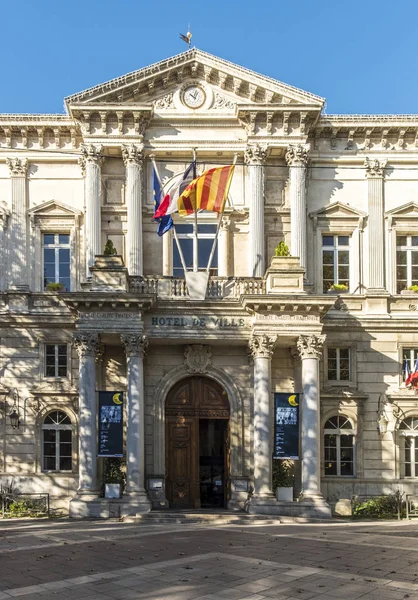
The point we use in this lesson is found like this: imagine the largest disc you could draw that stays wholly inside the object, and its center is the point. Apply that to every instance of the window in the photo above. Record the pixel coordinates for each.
(339, 364)
(57, 442)
(406, 261)
(56, 360)
(196, 252)
(408, 430)
(339, 436)
(56, 259)
(335, 261)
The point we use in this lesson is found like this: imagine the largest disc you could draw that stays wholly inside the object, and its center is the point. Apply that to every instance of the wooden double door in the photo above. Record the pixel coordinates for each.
(197, 444)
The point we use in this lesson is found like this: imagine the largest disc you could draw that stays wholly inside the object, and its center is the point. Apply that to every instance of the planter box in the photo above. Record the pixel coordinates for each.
(337, 292)
(112, 490)
(284, 275)
(408, 293)
(284, 494)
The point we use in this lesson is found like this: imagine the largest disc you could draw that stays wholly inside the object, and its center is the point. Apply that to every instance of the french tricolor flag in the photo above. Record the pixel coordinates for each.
(411, 378)
(173, 191)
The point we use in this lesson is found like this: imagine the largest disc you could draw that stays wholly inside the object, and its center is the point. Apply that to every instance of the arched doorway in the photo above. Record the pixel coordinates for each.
(197, 444)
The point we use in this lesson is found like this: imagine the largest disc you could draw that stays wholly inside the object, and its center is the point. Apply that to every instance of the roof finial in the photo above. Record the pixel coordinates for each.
(188, 37)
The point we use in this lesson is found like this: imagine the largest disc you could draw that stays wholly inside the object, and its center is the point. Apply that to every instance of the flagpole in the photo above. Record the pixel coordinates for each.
(183, 264)
(196, 242)
(212, 252)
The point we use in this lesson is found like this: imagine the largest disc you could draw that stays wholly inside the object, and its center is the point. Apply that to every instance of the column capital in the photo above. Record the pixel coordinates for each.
(18, 166)
(135, 344)
(225, 223)
(374, 168)
(262, 346)
(90, 153)
(310, 346)
(255, 154)
(297, 155)
(86, 344)
(133, 154)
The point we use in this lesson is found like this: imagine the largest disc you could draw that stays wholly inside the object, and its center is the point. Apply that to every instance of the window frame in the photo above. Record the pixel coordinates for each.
(411, 434)
(202, 219)
(56, 361)
(338, 432)
(336, 248)
(56, 246)
(352, 354)
(43, 355)
(57, 428)
(409, 249)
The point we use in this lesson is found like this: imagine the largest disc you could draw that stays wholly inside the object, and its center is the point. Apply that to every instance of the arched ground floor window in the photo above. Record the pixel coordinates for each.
(339, 444)
(57, 444)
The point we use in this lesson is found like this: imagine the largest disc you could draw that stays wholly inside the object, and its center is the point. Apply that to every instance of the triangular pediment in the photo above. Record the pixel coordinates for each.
(53, 208)
(232, 82)
(406, 211)
(338, 210)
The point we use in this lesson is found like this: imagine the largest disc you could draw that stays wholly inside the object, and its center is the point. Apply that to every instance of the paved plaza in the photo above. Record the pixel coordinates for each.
(103, 560)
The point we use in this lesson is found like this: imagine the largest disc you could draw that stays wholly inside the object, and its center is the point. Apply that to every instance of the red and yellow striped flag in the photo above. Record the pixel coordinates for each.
(207, 192)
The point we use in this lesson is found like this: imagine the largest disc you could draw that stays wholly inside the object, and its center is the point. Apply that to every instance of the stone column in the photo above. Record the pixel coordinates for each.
(376, 233)
(254, 156)
(297, 378)
(87, 345)
(261, 348)
(223, 247)
(310, 349)
(133, 159)
(90, 163)
(18, 239)
(297, 160)
(135, 347)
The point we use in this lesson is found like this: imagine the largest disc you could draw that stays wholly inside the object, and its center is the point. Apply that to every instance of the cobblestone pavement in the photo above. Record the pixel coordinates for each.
(102, 560)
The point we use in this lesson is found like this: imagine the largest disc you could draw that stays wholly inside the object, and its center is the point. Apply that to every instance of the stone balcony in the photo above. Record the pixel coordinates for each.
(167, 288)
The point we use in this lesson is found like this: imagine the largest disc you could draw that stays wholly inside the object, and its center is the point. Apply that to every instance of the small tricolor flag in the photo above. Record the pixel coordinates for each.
(207, 192)
(174, 188)
(412, 378)
(165, 223)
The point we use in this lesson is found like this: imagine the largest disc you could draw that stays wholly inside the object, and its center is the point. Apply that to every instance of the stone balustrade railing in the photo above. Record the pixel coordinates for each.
(218, 287)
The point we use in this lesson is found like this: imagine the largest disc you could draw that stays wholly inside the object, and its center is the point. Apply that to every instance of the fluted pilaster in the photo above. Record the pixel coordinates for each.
(255, 155)
(297, 160)
(18, 255)
(133, 159)
(376, 233)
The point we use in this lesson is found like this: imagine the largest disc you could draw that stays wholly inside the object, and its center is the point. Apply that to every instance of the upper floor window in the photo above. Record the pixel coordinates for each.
(57, 442)
(406, 261)
(339, 364)
(56, 360)
(408, 430)
(335, 261)
(56, 259)
(339, 437)
(196, 249)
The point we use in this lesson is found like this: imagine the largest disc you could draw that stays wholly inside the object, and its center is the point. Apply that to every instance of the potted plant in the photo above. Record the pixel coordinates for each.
(54, 287)
(282, 249)
(410, 290)
(338, 288)
(109, 249)
(283, 479)
(114, 477)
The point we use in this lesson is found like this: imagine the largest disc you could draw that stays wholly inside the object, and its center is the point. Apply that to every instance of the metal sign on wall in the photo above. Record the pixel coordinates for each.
(110, 424)
(286, 426)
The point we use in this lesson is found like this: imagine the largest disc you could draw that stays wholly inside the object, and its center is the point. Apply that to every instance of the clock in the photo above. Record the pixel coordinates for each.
(194, 96)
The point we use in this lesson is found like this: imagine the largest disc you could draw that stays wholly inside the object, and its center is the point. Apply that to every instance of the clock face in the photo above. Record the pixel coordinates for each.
(194, 96)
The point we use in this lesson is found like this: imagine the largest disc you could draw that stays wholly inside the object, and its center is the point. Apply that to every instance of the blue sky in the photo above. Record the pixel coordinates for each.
(360, 55)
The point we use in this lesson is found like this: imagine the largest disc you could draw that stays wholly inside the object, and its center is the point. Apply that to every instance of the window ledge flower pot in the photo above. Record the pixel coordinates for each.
(409, 293)
(337, 292)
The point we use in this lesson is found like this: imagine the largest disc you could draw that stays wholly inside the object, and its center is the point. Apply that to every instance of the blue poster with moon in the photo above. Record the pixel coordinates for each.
(110, 424)
(286, 426)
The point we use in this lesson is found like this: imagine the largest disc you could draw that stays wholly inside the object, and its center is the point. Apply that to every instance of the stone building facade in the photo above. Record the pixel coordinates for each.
(199, 376)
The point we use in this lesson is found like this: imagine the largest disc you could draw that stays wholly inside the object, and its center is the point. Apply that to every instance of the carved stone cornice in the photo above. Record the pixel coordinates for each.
(135, 344)
(297, 155)
(310, 346)
(197, 358)
(374, 167)
(262, 346)
(86, 344)
(133, 154)
(18, 166)
(255, 154)
(90, 154)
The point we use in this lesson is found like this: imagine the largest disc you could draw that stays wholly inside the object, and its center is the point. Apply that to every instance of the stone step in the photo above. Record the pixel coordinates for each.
(209, 518)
